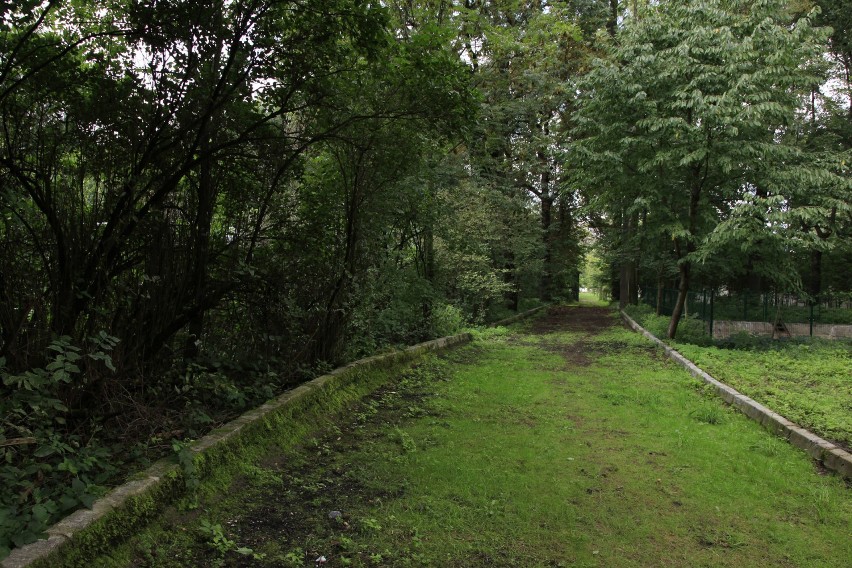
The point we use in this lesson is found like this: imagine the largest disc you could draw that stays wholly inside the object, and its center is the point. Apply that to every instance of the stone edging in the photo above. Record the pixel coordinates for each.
(831, 456)
(164, 478)
(517, 317)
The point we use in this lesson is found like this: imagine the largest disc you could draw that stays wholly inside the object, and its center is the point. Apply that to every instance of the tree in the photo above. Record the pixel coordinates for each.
(189, 186)
(684, 120)
(528, 52)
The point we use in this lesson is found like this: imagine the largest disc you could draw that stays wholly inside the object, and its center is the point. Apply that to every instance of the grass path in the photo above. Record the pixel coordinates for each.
(568, 441)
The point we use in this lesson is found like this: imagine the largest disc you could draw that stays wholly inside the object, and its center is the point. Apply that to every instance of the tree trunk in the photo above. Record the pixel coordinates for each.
(513, 295)
(428, 267)
(815, 277)
(682, 291)
(330, 335)
(624, 278)
(200, 264)
(200, 261)
(546, 285)
(614, 283)
(628, 287)
(575, 286)
(569, 250)
(612, 22)
(683, 262)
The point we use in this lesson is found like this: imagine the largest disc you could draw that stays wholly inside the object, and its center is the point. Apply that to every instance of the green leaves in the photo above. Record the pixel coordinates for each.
(48, 472)
(698, 94)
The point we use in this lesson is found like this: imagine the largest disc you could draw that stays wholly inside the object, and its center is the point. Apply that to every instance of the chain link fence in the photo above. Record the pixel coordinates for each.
(766, 314)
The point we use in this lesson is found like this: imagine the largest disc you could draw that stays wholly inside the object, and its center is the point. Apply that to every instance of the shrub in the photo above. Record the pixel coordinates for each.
(46, 469)
(446, 319)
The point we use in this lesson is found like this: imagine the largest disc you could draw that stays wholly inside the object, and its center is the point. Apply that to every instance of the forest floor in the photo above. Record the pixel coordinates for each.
(566, 440)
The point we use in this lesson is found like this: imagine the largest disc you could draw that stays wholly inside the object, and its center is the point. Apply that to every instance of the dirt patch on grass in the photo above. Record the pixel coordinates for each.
(575, 354)
(301, 507)
(589, 321)
(573, 318)
(583, 353)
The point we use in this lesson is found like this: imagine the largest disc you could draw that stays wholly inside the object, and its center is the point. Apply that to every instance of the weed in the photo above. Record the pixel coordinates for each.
(186, 460)
(489, 333)
(821, 498)
(405, 440)
(615, 398)
(722, 539)
(709, 413)
(293, 558)
(367, 412)
(217, 540)
(260, 475)
(371, 525)
(46, 469)
(769, 446)
(347, 544)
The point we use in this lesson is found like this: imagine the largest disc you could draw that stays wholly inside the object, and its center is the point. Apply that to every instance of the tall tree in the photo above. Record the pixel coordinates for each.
(529, 51)
(683, 119)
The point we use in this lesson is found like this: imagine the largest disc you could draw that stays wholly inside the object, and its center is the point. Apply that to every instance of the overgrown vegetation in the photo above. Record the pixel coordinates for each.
(573, 445)
(234, 196)
(204, 203)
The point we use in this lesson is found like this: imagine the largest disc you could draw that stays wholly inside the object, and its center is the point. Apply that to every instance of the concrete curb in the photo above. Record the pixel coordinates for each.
(831, 456)
(517, 317)
(164, 478)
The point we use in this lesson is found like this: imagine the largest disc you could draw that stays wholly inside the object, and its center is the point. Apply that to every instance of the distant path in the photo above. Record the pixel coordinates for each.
(589, 320)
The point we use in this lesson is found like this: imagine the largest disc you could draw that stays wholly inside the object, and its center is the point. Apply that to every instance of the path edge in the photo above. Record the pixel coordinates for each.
(830, 455)
(126, 508)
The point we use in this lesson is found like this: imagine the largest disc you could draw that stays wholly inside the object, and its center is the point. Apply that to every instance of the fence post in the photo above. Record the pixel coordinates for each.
(765, 307)
(712, 294)
(745, 305)
(811, 318)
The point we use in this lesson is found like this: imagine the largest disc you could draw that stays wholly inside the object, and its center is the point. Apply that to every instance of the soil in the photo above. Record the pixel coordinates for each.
(589, 321)
(319, 485)
(572, 318)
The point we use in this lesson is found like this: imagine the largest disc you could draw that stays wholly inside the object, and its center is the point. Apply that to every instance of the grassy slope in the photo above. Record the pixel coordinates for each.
(525, 450)
(808, 382)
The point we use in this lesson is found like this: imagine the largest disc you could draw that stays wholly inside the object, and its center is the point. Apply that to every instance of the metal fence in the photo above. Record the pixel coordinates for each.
(767, 313)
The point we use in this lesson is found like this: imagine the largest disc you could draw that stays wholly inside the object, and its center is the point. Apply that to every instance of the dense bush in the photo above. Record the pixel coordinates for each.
(49, 465)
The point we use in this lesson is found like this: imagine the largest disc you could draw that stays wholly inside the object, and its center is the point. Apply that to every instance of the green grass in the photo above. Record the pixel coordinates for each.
(562, 449)
(592, 299)
(809, 381)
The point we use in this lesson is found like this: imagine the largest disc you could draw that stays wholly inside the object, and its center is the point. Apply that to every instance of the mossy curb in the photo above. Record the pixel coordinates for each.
(86, 533)
(830, 455)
